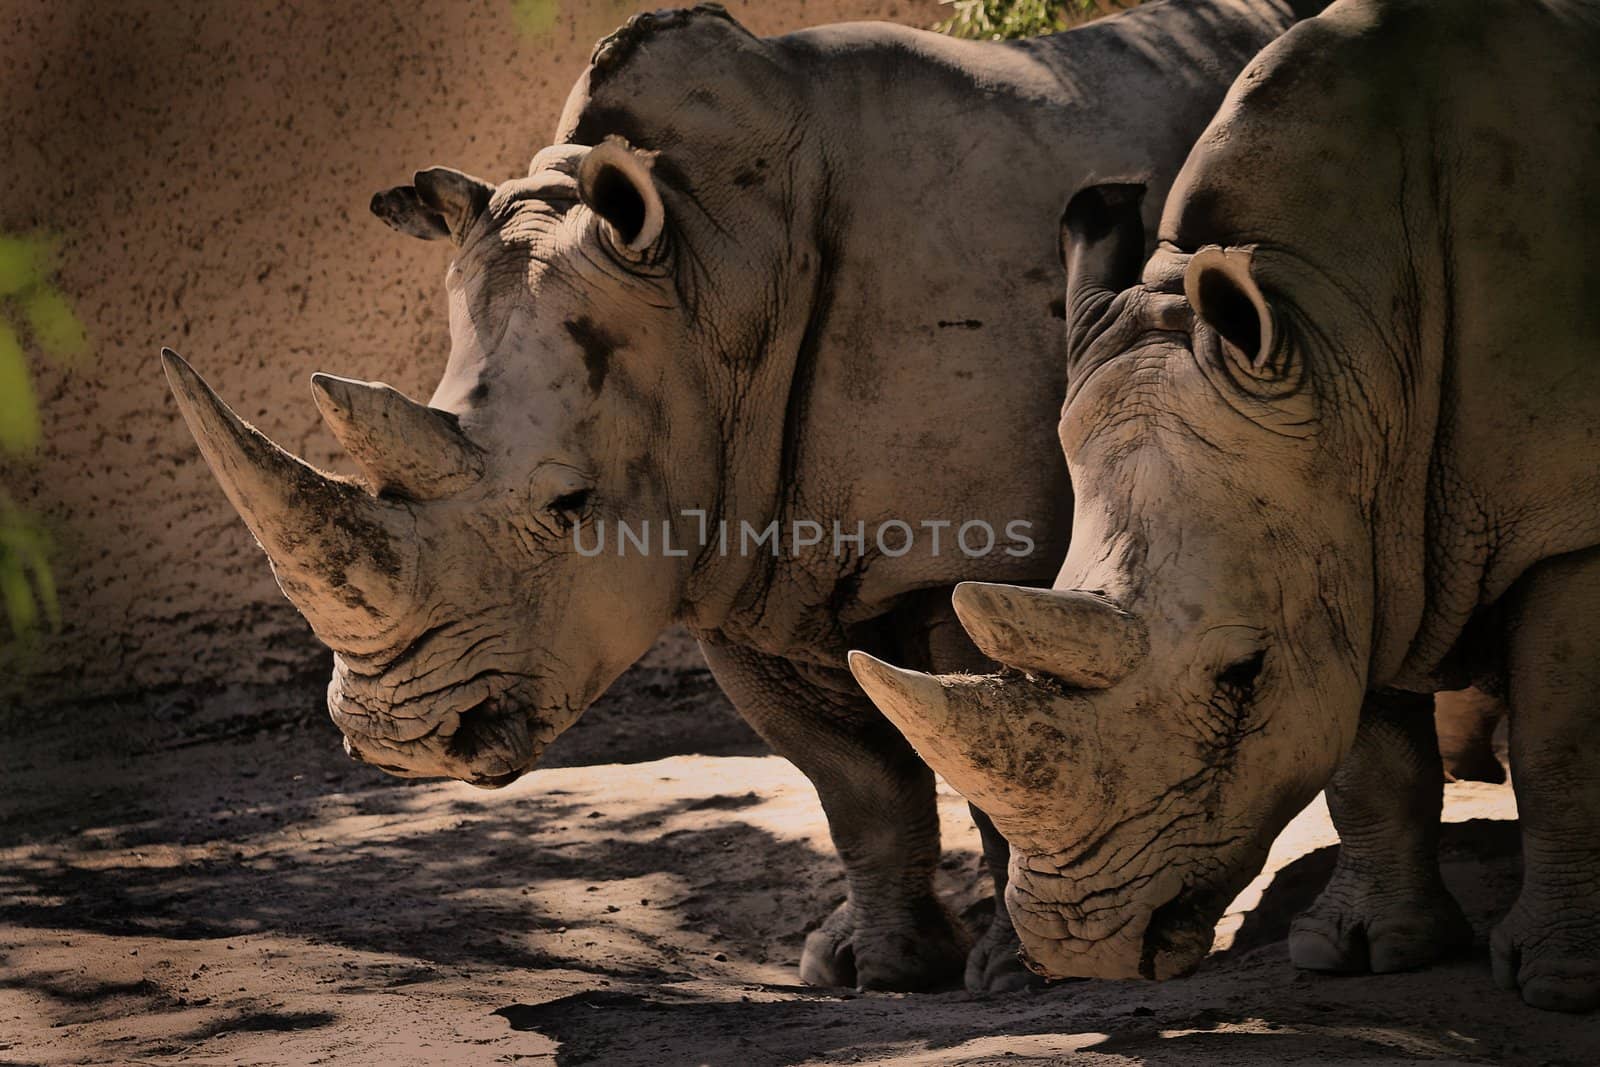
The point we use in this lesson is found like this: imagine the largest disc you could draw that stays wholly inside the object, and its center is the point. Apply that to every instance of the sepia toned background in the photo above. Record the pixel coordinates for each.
(205, 170)
(194, 873)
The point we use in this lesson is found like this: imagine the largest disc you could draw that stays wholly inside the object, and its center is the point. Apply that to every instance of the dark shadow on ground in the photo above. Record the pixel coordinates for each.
(439, 886)
(403, 892)
(1280, 1016)
(1480, 860)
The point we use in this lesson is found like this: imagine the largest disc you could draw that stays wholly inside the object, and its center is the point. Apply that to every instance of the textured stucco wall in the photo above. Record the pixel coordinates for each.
(207, 168)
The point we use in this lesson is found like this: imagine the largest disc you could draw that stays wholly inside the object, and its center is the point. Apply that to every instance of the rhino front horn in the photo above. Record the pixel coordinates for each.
(959, 725)
(403, 447)
(1080, 638)
(346, 560)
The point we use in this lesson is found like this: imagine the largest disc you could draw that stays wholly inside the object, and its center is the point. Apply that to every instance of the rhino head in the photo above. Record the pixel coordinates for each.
(613, 319)
(1195, 675)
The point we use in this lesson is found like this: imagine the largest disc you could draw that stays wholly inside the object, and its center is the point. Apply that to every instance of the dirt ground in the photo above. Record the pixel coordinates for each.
(180, 883)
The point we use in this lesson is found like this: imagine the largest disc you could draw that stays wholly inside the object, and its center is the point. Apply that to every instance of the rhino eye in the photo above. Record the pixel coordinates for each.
(1238, 679)
(569, 507)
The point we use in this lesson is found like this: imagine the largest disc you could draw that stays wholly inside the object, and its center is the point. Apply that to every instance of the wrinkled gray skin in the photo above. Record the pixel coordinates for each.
(1335, 453)
(811, 277)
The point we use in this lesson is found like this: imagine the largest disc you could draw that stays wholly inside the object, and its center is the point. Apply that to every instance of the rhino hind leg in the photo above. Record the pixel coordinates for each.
(1466, 721)
(1385, 908)
(1548, 945)
(891, 932)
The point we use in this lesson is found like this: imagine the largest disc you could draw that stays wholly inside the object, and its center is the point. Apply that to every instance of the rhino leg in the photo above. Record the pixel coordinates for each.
(891, 932)
(1466, 721)
(1548, 946)
(1385, 908)
(995, 964)
(941, 645)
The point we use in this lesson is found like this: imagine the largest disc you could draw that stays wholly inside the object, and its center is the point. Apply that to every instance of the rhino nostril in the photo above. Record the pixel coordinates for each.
(475, 732)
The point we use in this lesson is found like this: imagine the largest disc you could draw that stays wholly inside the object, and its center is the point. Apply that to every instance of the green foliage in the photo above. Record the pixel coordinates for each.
(1002, 20)
(27, 587)
(19, 415)
(543, 18)
(536, 16)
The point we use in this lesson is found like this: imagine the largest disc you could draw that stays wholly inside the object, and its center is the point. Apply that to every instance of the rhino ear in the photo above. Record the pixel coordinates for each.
(404, 210)
(441, 203)
(615, 181)
(1221, 287)
(1102, 248)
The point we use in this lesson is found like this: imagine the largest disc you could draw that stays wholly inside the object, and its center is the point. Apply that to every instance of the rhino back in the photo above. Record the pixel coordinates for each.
(931, 175)
(1428, 198)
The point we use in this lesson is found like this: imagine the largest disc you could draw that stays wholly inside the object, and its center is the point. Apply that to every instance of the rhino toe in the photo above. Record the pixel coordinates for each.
(922, 950)
(995, 963)
(1555, 965)
(1368, 935)
(829, 958)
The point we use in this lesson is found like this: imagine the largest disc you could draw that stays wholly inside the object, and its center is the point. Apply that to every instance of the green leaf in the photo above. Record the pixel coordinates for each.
(44, 587)
(21, 264)
(19, 415)
(53, 323)
(24, 555)
(17, 595)
(999, 20)
(536, 16)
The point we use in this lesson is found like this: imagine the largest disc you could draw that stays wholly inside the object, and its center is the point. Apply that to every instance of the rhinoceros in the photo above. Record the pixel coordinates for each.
(1334, 451)
(808, 281)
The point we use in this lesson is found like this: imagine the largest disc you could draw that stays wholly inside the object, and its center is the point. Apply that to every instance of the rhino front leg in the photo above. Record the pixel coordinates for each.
(995, 965)
(933, 638)
(1385, 908)
(1548, 946)
(891, 932)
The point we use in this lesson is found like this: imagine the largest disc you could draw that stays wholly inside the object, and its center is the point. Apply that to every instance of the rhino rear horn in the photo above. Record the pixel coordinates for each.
(403, 447)
(346, 560)
(1080, 638)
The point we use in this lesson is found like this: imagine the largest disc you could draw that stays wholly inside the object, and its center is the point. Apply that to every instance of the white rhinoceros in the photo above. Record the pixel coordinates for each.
(809, 280)
(1335, 452)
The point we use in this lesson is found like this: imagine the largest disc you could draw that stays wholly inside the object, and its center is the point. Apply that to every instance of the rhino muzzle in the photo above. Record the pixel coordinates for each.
(1156, 923)
(489, 742)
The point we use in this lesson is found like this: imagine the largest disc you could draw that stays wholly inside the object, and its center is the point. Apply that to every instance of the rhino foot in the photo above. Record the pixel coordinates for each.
(928, 951)
(1351, 929)
(1550, 954)
(995, 963)
(1471, 759)
(1478, 764)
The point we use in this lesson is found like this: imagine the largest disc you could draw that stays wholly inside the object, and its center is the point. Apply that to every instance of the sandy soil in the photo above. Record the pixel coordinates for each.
(180, 885)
